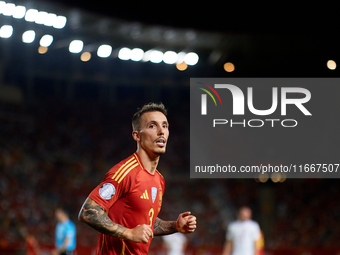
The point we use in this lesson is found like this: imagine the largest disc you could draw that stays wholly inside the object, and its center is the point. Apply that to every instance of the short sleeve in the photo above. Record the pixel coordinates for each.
(70, 232)
(110, 189)
(229, 234)
(257, 231)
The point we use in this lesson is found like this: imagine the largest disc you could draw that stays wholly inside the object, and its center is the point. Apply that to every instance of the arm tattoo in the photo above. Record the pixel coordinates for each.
(94, 215)
(162, 227)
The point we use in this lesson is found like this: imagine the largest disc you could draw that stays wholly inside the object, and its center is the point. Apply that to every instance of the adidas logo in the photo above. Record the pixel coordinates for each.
(145, 195)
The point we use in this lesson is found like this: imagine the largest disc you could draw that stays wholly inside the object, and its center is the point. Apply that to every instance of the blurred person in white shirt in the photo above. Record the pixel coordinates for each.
(175, 243)
(242, 235)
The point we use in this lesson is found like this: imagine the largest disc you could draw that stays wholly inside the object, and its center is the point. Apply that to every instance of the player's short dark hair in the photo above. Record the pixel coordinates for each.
(150, 107)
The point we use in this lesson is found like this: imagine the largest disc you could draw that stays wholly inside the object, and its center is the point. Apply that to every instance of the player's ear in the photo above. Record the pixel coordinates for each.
(135, 135)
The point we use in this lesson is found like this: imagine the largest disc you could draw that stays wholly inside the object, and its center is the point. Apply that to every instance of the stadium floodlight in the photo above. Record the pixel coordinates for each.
(124, 53)
(137, 54)
(180, 57)
(156, 56)
(104, 51)
(85, 56)
(6, 31)
(146, 56)
(2, 6)
(49, 19)
(181, 66)
(19, 12)
(46, 40)
(170, 57)
(8, 9)
(41, 17)
(31, 15)
(59, 22)
(76, 46)
(191, 58)
(28, 36)
(331, 64)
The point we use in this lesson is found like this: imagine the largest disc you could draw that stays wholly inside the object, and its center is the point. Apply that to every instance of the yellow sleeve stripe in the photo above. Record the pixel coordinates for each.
(159, 173)
(124, 169)
(127, 171)
(132, 158)
(137, 158)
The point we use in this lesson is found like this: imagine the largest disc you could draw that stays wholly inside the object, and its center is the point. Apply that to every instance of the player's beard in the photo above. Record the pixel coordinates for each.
(160, 151)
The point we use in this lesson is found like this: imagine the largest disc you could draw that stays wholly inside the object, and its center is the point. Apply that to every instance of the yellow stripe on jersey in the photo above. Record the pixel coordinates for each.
(103, 236)
(127, 171)
(159, 173)
(102, 241)
(137, 159)
(123, 248)
(123, 167)
(126, 168)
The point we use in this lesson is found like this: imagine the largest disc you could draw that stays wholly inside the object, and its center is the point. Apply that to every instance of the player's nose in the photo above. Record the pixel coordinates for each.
(160, 131)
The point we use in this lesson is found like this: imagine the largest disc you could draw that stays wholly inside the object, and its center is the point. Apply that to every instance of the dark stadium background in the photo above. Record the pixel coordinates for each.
(64, 123)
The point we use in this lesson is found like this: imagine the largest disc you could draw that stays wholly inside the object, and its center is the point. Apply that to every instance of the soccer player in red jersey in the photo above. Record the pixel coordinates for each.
(125, 205)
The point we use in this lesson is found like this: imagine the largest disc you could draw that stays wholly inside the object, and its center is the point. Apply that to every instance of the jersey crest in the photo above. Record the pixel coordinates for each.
(153, 193)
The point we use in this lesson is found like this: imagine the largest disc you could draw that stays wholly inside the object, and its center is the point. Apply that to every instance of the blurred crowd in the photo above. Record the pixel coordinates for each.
(55, 153)
(307, 214)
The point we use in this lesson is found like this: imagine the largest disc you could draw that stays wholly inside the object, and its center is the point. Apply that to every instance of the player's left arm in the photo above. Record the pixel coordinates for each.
(186, 223)
(64, 246)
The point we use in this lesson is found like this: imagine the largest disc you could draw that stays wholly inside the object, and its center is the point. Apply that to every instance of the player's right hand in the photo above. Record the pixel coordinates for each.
(141, 233)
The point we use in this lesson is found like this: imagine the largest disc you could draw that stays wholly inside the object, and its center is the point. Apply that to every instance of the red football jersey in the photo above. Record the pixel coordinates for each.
(131, 196)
